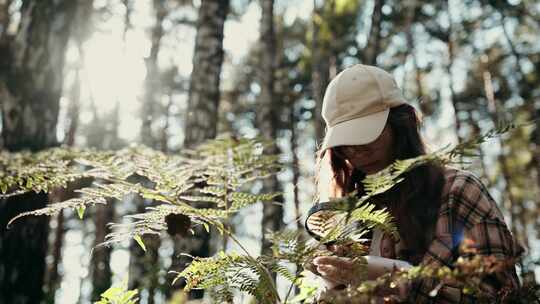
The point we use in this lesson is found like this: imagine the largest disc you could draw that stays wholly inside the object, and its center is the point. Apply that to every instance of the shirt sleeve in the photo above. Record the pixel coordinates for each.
(468, 212)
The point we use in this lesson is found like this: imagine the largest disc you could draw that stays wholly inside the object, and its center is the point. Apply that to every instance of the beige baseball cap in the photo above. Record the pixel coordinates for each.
(356, 105)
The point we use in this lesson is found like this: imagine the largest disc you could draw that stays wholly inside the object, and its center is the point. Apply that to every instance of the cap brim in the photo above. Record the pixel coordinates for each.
(359, 131)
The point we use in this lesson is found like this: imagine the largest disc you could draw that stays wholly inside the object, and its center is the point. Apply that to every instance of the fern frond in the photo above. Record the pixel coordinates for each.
(288, 245)
(228, 271)
(215, 191)
(208, 272)
(349, 219)
(119, 295)
(153, 221)
(240, 200)
(203, 199)
(372, 218)
(54, 209)
(283, 271)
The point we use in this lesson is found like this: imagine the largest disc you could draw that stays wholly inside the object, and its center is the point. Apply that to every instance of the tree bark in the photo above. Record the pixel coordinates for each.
(164, 134)
(202, 112)
(4, 16)
(73, 111)
(204, 94)
(101, 256)
(30, 90)
(144, 266)
(320, 75)
(268, 117)
(369, 56)
(52, 276)
(511, 202)
(32, 87)
(451, 54)
(152, 83)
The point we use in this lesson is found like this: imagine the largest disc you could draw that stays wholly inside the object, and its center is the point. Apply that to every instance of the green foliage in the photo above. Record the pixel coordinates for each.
(119, 295)
(41, 171)
(227, 271)
(468, 274)
(288, 245)
(213, 173)
(205, 186)
(351, 218)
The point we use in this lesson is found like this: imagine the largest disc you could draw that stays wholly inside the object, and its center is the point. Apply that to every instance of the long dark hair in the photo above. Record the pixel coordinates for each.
(415, 202)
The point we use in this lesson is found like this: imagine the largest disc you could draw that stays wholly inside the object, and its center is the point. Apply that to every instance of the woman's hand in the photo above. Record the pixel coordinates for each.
(350, 270)
(341, 270)
(338, 271)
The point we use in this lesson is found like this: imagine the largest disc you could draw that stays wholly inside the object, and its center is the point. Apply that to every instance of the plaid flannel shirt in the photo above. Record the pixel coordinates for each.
(467, 212)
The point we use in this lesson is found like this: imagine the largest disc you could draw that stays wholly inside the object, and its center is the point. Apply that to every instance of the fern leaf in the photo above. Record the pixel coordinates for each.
(139, 241)
(80, 211)
(54, 209)
(242, 199)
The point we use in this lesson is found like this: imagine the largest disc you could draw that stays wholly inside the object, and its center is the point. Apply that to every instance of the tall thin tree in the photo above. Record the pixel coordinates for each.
(268, 116)
(204, 94)
(143, 266)
(320, 65)
(204, 91)
(151, 94)
(30, 90)
(372, 49)
(5, 16)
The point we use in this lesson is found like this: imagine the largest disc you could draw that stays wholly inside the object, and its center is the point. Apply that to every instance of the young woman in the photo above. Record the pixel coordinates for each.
(369, 125)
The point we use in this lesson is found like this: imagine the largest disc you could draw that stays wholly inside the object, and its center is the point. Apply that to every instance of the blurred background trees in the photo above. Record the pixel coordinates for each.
(171, 73)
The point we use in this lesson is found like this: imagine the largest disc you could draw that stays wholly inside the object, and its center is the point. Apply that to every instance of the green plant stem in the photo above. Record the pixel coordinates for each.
(264, 270)
(296, 275)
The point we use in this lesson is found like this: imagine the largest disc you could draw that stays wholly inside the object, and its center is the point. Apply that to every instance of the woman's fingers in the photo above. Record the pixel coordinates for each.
(339, 249)
(336, 269)
(330, 273)
(341, 269)
(338, 262)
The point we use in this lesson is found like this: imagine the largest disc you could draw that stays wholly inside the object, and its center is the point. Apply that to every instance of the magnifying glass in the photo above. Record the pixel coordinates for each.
(323, 218)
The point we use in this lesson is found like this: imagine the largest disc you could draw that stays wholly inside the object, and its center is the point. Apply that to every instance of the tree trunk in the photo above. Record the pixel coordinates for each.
(369, 56)
(525, 93)
(101, 256)
(144, 266)
(80, 31)
(30, 91)
(511, 202)
(164, 136)
(295, 167)
(268, 117)
(426, 105)
(451, 55)
(100, 271)
(152, 85)
(4, 16)
(204, 91)
(73, 111)
(320, 65)
(52, 276)
(202, 112)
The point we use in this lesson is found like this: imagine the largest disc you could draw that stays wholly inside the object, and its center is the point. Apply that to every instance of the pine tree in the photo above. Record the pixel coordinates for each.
(30, 90)
(203, 101)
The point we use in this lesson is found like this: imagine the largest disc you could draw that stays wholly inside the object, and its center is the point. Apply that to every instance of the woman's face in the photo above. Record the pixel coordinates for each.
(369, 158)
